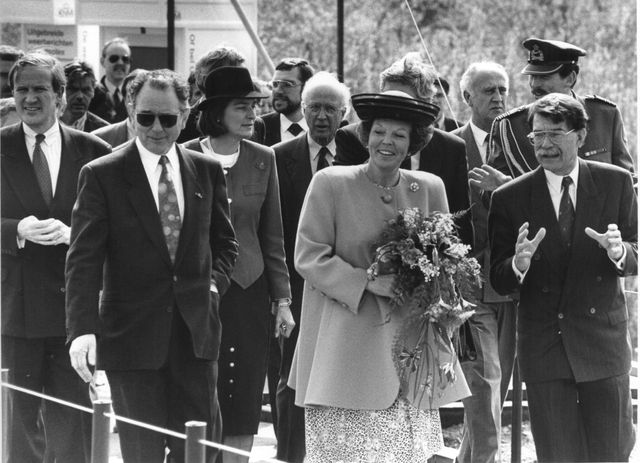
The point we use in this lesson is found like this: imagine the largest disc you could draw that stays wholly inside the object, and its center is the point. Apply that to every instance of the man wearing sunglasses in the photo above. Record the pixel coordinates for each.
(116, 61)
(562, 236)
(286, 121)
(151, 227)
(552, 68)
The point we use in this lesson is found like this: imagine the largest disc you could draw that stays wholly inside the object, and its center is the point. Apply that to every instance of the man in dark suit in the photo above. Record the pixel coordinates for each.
(81, 84)
(287, 121)
(116, 61)
(552, 68)
(485, 87)
(151, 228)
(325, 103)
(444, 156)
(563, 235)
(41, 161)
(123, 131)
(443, 122)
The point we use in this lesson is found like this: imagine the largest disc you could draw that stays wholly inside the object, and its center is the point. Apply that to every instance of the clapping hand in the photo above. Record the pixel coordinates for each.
(525, 248)
(611, 241)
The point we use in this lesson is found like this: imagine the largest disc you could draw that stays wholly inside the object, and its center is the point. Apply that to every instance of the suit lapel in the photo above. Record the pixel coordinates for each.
(543, 215)
(298, 166)
(23, 179)
(431, 155)
(70, 165)
(192, 202)
(142, 201)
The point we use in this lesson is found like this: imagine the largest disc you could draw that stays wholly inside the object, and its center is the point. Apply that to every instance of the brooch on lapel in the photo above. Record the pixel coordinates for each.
(261, 166)
(414, 187)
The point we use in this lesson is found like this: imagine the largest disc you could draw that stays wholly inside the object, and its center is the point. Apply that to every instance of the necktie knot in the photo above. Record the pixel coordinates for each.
(566, 182)
(295, 129)
(40, 138)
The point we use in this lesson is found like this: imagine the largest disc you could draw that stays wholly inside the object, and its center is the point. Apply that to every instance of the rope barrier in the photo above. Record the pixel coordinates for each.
(150, 427)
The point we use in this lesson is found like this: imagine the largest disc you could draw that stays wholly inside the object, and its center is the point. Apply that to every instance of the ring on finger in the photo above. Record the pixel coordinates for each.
(283, 327)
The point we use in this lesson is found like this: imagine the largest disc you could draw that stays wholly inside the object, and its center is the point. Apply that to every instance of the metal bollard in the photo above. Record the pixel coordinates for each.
(100, 433)
(194, 451)
(516, 416)
(4, 411)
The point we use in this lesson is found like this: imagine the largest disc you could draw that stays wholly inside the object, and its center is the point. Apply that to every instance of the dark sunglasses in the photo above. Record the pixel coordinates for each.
(166, 120)
(113, 59)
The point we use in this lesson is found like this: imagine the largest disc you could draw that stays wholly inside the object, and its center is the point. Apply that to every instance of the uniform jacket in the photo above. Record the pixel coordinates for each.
(294, 175)
(444, 156)
(481, 249)
(343, 357)
(572, 316)
(116, 227)
(33, 290)
(114, 134)
(252, 187)
(513, 154)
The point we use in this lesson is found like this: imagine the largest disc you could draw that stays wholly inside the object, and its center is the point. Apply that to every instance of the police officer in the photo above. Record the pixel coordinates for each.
(552, 68)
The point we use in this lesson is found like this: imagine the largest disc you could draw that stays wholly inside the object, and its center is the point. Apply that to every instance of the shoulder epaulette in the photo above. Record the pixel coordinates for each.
(599, 98)
(511, 112)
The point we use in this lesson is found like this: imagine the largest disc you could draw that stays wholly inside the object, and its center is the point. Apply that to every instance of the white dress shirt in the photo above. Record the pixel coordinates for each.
(153, 169)
(314, 151)
(480, 137)
(51, 147)
(285, 123)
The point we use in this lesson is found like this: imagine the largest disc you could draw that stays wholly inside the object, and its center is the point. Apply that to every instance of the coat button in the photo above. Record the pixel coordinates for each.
(592, 310)
(312, 287)
(345, 305)
(322, 294)
(598, 279)
(62, 290)
(560, 315)
(233, 349)
(232, 364)
(169, 309)
(230, 381)
(545, 290)
(536, 257)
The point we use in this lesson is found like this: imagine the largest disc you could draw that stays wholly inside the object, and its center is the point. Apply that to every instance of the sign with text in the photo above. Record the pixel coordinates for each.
(59, 41)
(64, 12)
(89, 46)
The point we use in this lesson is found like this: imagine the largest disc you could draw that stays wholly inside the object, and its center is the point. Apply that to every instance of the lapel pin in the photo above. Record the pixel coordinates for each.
(199, 195)
(261, 166)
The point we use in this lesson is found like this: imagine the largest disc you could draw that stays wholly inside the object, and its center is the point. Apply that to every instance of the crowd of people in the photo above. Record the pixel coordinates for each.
(165, 231)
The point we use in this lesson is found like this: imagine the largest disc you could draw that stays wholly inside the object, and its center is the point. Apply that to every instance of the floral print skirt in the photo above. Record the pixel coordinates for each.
(400, 434)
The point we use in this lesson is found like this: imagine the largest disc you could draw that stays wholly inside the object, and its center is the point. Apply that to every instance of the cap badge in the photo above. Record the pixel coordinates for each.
(536, 54)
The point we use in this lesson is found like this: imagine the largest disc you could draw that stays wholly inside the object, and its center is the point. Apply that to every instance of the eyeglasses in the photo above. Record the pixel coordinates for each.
(113, 59)
(316, 108)
(556, 137)
(166, 120)
(285, 84)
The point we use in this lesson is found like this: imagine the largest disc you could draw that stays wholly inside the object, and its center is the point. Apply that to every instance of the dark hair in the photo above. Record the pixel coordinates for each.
(79, 70)
(443, 83)
(420, 135)
(160, 79)
(218, 57)
(567, 69)
(45, 60)
(559, 108)
(10, 53)
(127, 80)
(209, 121)
(306, 71)
(111, 42)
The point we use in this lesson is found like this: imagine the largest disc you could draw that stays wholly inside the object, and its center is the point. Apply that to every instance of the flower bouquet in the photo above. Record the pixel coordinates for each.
(433, 284)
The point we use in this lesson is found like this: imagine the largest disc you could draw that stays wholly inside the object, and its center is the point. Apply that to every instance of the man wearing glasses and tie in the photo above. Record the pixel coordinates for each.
(151, 228)
(116, 61)
(563, 235)
(286, 121)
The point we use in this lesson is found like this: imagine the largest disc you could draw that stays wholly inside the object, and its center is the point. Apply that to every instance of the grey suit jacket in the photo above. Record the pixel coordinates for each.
(114, 134)
(481, 250)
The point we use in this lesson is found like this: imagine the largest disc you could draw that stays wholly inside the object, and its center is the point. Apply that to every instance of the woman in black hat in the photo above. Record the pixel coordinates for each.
(260, 275)
(343, 371)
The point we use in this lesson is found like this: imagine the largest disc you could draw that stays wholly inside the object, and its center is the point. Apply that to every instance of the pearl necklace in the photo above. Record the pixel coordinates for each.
(386, 198)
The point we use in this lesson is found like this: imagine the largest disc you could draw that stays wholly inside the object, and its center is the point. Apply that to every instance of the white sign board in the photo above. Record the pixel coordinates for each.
(59, 41)
(64, 12)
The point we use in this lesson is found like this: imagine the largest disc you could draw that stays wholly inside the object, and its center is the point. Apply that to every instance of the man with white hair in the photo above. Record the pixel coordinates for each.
(485, 87)
(325, 102)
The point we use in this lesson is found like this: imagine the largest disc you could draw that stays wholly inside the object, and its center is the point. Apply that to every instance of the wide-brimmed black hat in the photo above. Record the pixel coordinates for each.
(228, 82)
(394, 104)
(548, 56)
